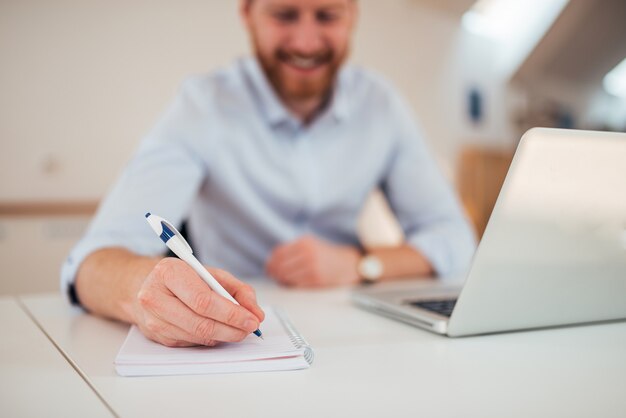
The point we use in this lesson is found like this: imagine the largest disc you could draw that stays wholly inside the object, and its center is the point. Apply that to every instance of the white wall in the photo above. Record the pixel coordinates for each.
(83, 80)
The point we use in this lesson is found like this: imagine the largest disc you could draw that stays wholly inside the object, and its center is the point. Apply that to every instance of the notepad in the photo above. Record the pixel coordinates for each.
(283, 348)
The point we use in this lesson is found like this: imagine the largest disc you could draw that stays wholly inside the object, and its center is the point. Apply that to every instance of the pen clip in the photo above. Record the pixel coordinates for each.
(166, 231)
(169, 228)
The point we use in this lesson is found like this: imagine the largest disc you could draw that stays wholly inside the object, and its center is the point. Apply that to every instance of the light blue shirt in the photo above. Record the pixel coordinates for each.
(246, 175)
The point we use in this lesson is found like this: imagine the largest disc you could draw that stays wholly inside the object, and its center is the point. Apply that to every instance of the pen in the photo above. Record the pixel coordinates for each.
(179, 246)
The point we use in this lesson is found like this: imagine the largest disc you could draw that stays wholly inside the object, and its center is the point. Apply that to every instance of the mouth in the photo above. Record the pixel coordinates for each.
(305, 63)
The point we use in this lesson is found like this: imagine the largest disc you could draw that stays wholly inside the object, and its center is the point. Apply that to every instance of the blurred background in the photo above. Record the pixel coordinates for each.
(82, 81)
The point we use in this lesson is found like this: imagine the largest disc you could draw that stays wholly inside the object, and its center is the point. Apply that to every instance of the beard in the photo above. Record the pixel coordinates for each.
(300, 87)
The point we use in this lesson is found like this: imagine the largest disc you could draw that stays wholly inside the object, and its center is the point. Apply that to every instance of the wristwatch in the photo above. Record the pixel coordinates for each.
(370, 268)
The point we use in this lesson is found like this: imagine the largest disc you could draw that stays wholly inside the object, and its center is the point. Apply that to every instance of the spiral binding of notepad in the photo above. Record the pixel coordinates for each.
(295, 337)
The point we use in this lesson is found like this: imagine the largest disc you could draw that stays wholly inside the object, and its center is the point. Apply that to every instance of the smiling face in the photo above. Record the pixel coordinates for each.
(300, 43)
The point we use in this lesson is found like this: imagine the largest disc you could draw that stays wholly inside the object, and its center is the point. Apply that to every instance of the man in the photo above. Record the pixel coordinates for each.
(270, 163)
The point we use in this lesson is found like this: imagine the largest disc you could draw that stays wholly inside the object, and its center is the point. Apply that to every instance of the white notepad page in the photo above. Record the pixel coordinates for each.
(281, 349)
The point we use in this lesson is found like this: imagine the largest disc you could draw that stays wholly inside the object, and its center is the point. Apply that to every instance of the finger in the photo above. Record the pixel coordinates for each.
(284, 251)
(197, 295)
(242, 292)
(284, 267)
(196, 328)
(272, 262)
(165, 333)
(290, 249)
(291, 261)
(291, 271)
(282, 255)
(288, 275)
(302, 278)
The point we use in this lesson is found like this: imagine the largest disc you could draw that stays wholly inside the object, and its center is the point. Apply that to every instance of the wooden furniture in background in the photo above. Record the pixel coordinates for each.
(43, 231)
(48, 208)
(481, 172)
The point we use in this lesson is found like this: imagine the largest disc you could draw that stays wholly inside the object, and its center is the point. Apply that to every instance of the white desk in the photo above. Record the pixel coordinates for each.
(367, 366)
(35, 379)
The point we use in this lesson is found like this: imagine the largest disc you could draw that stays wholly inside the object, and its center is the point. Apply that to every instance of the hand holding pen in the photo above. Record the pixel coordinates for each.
(175, 307)
(179, 246)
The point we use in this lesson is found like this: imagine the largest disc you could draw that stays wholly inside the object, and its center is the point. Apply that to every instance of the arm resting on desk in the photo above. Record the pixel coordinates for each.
(167, 300)
(313, 262)
(402, 261)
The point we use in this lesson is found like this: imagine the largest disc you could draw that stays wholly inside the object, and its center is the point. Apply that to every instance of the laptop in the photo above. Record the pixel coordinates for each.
(553, 252)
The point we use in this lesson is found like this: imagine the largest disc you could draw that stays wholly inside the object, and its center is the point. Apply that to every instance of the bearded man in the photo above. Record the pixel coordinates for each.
(269, 163)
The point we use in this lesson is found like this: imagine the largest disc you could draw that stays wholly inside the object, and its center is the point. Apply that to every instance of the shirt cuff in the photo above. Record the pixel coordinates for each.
(77, 255)
(449, 256)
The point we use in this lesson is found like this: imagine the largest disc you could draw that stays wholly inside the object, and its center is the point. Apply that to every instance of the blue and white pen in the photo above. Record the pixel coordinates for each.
(179, 246)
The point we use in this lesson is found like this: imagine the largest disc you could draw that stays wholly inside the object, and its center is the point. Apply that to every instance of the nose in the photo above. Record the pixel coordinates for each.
(307, 37)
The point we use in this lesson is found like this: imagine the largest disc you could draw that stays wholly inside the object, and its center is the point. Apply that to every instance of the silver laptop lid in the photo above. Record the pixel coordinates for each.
(554, 251)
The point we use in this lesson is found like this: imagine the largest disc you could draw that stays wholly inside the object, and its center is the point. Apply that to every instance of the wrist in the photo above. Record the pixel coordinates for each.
(349, 272)
(139, 270)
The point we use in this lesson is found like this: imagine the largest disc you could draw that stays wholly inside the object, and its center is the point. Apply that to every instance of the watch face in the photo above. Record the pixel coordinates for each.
(371, 268)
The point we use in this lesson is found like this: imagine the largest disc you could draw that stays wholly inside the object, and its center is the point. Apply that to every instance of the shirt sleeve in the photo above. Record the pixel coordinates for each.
(424, 202)
(163, 177)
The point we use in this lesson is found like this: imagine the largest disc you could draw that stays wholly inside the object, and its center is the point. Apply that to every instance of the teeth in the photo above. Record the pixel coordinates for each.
(304, 63)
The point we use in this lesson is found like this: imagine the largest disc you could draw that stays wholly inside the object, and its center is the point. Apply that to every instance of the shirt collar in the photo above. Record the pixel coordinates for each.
(272, 107)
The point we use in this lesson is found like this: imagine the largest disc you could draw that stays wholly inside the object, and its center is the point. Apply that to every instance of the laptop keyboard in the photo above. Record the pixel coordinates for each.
(442, 307)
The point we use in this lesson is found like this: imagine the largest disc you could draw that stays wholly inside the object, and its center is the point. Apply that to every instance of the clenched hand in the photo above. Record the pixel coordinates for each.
(312, 262)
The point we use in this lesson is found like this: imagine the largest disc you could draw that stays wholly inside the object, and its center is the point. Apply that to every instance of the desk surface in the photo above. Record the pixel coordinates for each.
(35, 379)
(366, 365)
